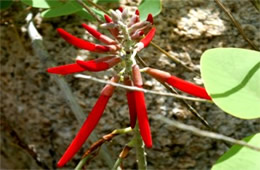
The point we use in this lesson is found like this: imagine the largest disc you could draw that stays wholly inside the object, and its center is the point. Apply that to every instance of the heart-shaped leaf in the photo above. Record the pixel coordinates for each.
(232, 78)
(150, 6)
(43, 3)
(240, 157)
(64, 9)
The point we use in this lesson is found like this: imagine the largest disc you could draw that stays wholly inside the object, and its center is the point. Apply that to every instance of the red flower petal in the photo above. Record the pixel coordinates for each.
(178, 83)
(132, 108)
(93, 66)
(141, 108)
(89, 124)
(85, 130)
(108, 19)
(66, 69)
(121, 9)
(131, 103)
(150, 18)
(82, 43)
(113, 31)
(146, 40)
(92, 31)
(137, 12)
(76, 41)
(99, 64)
(158, 74)
(188, 87)
(143, 119)
(103, 38)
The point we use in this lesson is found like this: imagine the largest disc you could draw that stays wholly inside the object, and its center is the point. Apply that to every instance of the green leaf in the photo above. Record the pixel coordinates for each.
(240, 157)
(83, 13)
(98, 13)
(65, 9)
(5, 4)
(232, 78)
(150, 6)
(107, 1)
(43, 3)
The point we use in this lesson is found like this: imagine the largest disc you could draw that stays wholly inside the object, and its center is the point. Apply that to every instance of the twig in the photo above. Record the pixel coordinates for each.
(192, 110)
(236, 23)
(208, 134)
(176, 60)
(141, 89)
(97, 6)
(89, 10)
(140, 60)
(106, 138)
(43, 55)
(97, 145)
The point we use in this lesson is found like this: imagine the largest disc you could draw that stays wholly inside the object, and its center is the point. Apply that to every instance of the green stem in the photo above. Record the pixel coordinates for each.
(119, 160)
(122, 131)
(117, 163)
(140, 151)
(81, 163)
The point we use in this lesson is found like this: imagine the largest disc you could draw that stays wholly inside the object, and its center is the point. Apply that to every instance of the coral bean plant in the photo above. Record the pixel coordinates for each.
(130, 35)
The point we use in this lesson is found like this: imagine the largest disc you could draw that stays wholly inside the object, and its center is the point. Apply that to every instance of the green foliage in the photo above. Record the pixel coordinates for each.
(43, 3)
(240, 157)
(64, 9)
(83, 13)
(107, 1)
(56, 8)
(232, 78)
(150, 6)
(5, 4)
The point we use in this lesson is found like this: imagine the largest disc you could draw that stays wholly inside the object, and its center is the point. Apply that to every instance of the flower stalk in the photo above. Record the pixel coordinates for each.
(140, 150)
(121, 50)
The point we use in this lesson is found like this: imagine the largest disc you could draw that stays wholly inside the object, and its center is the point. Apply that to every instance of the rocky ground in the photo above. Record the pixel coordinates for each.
(35, 113)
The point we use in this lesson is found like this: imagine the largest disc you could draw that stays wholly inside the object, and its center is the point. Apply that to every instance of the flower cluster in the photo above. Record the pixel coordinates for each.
(130, 35)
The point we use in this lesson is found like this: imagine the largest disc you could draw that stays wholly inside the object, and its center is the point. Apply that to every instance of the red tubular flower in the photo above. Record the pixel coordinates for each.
(108, 19)
(113, 31)
(135, 18)
(141, 108)
(121, 9)
(150, 18)
(121, 29)
(137, 12)
(66, 69)
(131, 102)
(89, 124)
(85, 44)
(178, 83)
(101, 37)
(98, 64)
(146, 40)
